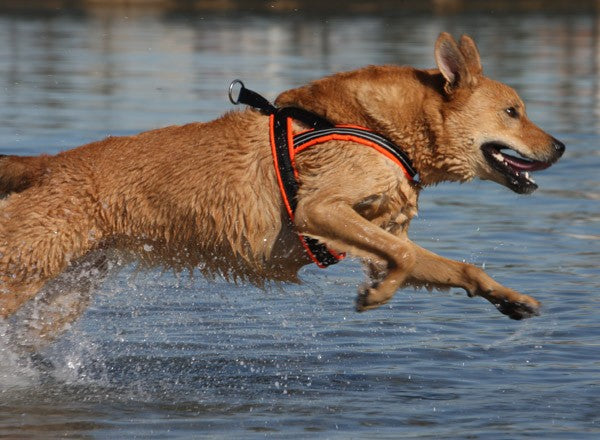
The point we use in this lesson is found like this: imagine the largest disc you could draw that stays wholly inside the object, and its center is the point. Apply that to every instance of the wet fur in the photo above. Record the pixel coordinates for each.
(205, 194)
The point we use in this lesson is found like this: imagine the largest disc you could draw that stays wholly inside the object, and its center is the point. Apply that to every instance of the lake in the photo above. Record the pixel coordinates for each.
(163, 355)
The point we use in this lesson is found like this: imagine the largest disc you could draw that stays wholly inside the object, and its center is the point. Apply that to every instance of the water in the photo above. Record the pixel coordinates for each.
(159, 355)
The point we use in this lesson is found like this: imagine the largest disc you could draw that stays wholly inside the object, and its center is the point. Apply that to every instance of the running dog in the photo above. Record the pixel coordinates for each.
(208, 196)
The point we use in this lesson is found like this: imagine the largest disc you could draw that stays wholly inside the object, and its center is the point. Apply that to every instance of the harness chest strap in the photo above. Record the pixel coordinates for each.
(282, 147)
(285, 145)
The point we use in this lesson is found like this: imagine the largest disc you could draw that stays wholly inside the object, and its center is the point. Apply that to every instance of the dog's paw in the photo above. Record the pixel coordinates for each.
(518, 310)
(366, 299)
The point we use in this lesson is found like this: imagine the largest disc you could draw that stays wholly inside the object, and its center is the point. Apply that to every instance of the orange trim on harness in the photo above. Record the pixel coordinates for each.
(358, 140)
(312, 141)
(286, 202)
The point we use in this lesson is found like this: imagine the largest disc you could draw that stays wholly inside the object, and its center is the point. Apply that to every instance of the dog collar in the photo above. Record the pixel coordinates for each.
(285, 145)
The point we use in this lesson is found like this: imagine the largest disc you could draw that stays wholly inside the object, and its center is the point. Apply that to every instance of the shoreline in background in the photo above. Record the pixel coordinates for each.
(302, 6)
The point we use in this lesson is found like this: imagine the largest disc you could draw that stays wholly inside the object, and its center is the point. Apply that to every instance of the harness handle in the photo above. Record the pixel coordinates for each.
(249, 97)
(253, 99)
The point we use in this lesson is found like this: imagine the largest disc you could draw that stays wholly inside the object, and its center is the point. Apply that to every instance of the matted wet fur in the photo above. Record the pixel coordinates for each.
(205, 194)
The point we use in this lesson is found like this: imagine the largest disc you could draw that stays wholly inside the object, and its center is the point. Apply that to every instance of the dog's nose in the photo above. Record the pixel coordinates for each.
(559, 147)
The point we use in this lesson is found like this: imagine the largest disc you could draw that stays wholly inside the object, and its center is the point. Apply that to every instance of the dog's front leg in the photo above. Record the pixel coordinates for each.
(435, 271)
(339, 225)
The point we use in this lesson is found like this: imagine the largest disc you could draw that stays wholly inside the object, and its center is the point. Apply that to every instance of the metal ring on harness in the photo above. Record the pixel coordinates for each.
(231, 87)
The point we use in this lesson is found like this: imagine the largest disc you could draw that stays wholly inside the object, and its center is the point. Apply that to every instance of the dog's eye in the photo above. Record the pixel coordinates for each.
(512, 112)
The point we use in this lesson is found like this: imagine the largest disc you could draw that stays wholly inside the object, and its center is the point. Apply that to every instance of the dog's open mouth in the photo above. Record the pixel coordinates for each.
(513, 166)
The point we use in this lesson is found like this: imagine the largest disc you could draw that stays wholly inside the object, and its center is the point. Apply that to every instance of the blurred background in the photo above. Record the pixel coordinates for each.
(163, 355)
(123, 66)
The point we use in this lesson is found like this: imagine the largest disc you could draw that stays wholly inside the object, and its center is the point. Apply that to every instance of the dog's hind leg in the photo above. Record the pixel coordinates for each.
(59, 303)
(42, 230)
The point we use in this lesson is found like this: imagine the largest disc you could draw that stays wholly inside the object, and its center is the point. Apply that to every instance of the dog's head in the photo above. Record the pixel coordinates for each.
(455, 123)
(485, 121)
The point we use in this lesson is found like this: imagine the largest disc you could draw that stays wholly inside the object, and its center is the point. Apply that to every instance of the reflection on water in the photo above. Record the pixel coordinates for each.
(163, 355)
(126, 74)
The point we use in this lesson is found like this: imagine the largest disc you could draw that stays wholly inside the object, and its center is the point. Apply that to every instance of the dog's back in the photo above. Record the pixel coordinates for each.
(199, 195)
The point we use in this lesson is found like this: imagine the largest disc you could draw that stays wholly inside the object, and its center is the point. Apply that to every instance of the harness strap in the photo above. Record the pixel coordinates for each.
(359, 135)
(285, 145)
(282, 147)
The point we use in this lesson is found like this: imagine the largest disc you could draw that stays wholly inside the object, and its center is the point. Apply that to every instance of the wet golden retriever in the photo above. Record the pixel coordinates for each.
(205, 194)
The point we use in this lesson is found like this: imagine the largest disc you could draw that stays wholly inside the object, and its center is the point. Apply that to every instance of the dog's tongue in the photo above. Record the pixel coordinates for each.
(525, 165)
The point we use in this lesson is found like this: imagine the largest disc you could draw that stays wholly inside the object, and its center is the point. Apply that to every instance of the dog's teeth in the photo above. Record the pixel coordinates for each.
(528, 177)
(498, 157)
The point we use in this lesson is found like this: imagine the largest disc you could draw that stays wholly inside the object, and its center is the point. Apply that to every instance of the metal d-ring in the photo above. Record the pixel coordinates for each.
(231, 87)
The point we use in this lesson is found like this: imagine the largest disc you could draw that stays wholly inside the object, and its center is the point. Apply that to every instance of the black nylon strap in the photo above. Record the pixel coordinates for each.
(250, 97)
(288, 179)
(383, 142)
(253, 99)
(308, 118)
(284, 161)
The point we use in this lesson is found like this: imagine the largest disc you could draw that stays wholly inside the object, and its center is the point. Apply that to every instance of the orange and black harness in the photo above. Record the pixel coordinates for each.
(285, 145)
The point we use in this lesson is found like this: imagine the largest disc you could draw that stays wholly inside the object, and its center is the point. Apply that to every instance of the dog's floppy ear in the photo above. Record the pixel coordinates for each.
(469, 50)
(452, 63)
